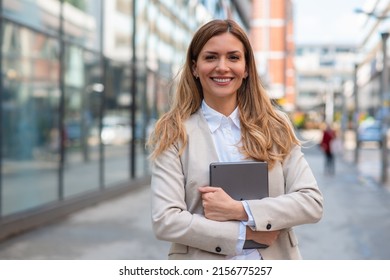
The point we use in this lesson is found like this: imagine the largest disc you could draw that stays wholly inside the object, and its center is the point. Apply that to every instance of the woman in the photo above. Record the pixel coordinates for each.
(221, 113)
(328, 137)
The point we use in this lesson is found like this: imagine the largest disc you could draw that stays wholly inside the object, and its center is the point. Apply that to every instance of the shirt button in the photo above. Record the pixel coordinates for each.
(218, 249)
(269, 226)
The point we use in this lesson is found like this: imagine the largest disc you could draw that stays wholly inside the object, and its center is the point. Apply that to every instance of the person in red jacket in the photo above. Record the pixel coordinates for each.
(326, 144)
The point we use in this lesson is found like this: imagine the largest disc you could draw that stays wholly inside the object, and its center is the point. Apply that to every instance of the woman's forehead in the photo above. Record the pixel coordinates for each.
(225, 41)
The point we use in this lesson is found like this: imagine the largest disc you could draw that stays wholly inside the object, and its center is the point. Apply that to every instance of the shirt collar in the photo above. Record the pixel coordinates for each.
(214, 118)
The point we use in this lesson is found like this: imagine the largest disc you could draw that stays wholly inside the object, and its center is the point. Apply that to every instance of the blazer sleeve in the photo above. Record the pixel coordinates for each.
(302, 202)
(173, 221)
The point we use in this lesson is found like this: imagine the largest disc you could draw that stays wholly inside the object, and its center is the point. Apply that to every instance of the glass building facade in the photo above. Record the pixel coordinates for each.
(82, 84)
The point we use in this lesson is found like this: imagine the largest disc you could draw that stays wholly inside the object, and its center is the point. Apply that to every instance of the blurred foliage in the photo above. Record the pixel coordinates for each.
(299, 119)
(77, 3)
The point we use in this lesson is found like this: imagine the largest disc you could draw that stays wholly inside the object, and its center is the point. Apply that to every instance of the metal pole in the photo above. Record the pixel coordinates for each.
(102, 94)
(1, 109)
(356, 115)
(385, 107)
(133, 90)
(61, 110)
(329, 103)
(343, 124)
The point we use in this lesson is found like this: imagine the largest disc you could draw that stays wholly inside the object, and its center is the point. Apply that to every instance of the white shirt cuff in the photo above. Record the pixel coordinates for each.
(251, 220)
(243, 224)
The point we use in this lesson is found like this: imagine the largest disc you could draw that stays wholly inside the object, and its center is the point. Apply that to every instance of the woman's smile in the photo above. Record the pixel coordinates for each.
(221, 81)
(221, 68)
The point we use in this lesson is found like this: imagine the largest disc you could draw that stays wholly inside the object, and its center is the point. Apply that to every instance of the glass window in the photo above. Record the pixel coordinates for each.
(40, 15)
(30, 134)
(142, 121)
(82, 22)
(82, 103)
(117, 132)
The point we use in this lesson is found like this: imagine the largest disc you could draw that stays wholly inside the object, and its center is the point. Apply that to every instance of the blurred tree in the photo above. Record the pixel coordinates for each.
(299, 119)
(77, 3)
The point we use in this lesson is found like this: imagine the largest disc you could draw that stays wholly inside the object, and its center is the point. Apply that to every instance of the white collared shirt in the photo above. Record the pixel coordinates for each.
(226, 134)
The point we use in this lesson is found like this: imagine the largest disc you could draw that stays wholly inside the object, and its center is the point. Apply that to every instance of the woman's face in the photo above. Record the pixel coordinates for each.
(221, 69)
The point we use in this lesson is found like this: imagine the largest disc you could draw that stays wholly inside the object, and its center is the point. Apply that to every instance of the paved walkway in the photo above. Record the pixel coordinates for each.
(356, 224)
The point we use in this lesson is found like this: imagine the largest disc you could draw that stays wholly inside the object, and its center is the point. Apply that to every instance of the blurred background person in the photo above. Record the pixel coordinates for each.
(328, 136)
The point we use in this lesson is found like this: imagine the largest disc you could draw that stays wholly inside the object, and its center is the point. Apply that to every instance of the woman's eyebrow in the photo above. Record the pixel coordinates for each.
(229, 52)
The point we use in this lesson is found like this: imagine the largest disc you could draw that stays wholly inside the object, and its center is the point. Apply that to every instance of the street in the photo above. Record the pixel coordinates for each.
(356, 217)
(355, 225)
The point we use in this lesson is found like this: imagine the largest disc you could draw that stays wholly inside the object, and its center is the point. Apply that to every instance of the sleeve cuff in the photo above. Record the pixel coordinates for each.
(251, 220)
(241, 238)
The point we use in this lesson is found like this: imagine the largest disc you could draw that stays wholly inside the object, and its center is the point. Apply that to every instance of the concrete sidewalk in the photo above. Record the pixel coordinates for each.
(356, 224)
(116, 229)
(356, 221)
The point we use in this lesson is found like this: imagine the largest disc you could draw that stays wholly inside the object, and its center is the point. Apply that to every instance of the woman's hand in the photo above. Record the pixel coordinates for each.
(262, 237)
(219, 206)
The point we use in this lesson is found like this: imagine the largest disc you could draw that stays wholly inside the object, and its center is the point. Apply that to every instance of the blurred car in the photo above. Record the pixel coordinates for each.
(370, 131)
(116, 130)
(72, 132)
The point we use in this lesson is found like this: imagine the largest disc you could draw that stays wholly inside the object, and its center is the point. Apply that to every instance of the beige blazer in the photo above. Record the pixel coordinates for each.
(177, 213)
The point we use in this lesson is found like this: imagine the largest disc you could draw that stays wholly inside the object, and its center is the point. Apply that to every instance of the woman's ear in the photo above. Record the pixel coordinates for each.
(194, 72)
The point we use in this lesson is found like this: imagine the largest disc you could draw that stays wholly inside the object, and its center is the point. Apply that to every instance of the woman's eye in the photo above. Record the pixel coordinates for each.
(210, 57)
(234, 57)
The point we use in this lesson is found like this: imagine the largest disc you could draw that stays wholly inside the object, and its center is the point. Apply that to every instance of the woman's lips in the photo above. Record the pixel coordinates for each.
(222, 80)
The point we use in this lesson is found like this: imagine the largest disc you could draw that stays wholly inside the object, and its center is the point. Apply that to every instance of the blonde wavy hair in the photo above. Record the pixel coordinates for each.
(266, 133)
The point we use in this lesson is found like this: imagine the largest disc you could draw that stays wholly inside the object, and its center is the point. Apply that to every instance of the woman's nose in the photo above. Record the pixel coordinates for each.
(222, 65)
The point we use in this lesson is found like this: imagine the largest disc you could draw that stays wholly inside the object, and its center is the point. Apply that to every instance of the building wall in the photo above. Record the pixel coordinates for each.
(322, 73)
(79, 93)
(273, 43)
(371, 87)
